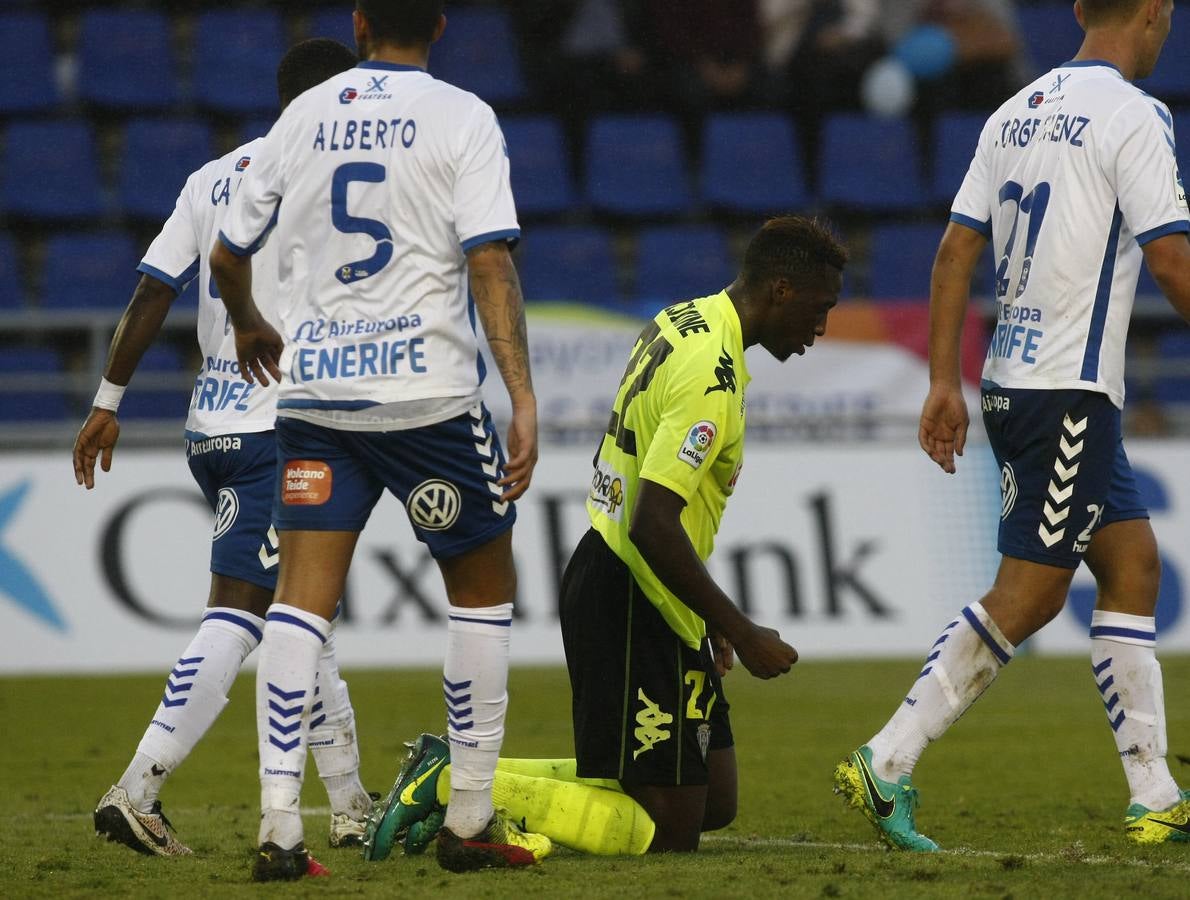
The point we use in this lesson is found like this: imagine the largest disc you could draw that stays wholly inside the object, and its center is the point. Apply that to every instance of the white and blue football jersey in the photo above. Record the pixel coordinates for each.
(1072, 176)
(223, 402)
(378, 180)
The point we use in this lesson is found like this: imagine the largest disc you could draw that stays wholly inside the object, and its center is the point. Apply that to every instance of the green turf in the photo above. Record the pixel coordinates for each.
(1026, 793)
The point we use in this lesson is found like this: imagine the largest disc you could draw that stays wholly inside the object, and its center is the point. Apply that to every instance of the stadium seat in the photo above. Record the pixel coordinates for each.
(901, 259)
(235, 60)
(89, 271)
(35, 404)
(1174, 349)
(1049, 33)
(636, 166)
(158, 157)
(541, 177)
(50, 171)
(569, 263)
(870, 164)
(25, 47)
(479, 53)
(143, 400)
(751, 163)
(12, 292)
(335, 22)
(680, 262)
(126, 59)
(954, 140)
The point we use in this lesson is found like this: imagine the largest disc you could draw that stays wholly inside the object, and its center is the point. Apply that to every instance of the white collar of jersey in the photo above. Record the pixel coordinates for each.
(388, 66)
(1082, 63)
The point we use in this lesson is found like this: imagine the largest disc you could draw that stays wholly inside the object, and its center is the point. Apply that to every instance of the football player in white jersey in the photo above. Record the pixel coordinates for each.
(232, 455)
(1074, 180)
(387, 192)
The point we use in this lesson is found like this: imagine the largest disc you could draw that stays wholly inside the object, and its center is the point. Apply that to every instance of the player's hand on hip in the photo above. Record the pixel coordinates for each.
(258, 349)
(96, 440)
(764, 654)
(944, 420)
(522, 451)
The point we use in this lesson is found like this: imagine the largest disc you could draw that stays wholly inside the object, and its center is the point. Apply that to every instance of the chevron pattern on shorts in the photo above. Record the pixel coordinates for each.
(1056, 508)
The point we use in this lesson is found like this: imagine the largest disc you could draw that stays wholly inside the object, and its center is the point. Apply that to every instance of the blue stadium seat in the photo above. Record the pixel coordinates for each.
(954, 140)
(681, 262)
(126, 59)
(142, 402)
(902, 258)
(541, 178)
(235, 60)
(872, 164)
(1170, 80)
(89, 271)
(1050, 34)
(479, 53)
(159, 155)
(12, 292)
(49, 171)
(751, 163)
(1173, 389)
(636, 166)
(30, 405)
(25, 47)
(335, 22)
(569, 263)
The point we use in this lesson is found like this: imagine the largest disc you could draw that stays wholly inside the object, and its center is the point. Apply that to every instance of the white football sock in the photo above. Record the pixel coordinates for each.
(293, 640)
(333, 739)
(475, 682)
(195, 694)
(1124, 662)
(961, 665)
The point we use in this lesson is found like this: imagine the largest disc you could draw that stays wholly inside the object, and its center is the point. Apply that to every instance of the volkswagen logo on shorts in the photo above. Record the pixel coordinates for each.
(434, 505)
(1007, 490)
(227, 507)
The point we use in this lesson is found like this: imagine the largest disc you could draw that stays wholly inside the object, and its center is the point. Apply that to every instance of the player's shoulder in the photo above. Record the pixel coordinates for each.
(237, 160)
(699, 326)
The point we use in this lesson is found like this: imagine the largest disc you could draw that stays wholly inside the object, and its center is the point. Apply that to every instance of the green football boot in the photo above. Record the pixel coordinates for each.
(886, 805)
(414, 796)
(1149, 826)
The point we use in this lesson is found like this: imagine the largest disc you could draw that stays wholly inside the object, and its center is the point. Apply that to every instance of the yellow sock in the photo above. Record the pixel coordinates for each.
(576, 815)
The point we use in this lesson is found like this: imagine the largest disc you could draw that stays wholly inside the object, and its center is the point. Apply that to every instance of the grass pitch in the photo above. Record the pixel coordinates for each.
(1025, 794)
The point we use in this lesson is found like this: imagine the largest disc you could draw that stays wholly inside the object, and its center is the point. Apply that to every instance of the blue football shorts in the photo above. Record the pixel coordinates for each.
(236, 473)
(1063, 471)
(445, 475)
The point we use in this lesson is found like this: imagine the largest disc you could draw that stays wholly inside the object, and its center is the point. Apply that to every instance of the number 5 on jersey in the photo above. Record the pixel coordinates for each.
(372, 173)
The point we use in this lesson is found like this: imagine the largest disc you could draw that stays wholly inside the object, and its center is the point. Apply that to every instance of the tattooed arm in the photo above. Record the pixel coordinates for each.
(497, 292)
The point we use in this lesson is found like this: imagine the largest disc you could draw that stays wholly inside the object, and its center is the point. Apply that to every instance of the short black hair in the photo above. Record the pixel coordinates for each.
(405, 23)
(1096, 12)
(309, 63)
(792, 247)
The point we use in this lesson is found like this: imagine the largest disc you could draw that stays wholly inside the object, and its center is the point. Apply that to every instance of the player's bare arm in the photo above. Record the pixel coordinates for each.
(501, 307)
(657, 532)
(944, 418)
(138, 328)
(258, 345)
(1168, 259)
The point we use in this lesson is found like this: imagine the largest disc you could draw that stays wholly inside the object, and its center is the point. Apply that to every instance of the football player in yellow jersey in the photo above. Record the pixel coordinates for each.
(637, 602)
(647, 632)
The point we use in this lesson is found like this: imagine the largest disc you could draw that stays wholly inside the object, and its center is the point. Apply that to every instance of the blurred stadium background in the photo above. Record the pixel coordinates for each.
(648, 139)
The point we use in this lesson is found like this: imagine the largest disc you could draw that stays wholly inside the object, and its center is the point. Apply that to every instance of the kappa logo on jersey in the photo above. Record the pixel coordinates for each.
(347, 95)
(698, 441)
(607, 491)
(1036, 99)
(242, 163)
(227, 509)
(434, 505)
(306, 482)
(725, 372)
(650, 722)
(1008, 490)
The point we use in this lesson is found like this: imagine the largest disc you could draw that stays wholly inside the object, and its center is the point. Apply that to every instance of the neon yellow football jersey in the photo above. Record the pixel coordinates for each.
(678, 420)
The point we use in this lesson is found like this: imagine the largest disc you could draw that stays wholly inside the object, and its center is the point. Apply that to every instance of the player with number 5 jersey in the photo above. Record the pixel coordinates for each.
(1075, 182)
(386, 193)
